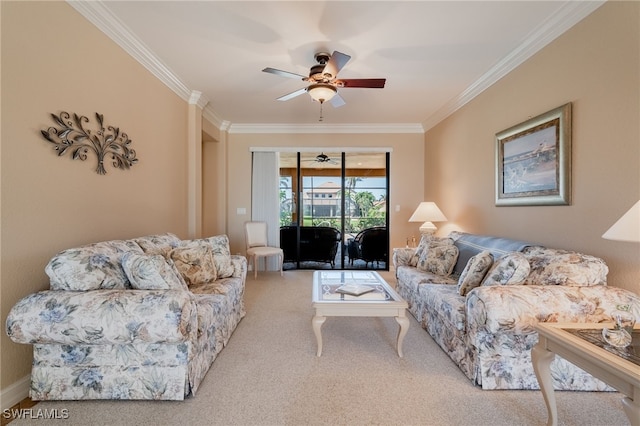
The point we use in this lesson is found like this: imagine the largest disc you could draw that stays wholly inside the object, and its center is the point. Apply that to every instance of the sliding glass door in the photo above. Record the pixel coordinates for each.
(333, 210)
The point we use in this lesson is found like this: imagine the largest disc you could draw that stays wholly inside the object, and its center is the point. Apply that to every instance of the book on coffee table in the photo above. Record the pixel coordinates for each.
(354, 289)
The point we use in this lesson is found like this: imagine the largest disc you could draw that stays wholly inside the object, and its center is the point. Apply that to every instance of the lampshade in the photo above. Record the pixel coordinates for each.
(627, 228)
(427, 212)
(321, 92)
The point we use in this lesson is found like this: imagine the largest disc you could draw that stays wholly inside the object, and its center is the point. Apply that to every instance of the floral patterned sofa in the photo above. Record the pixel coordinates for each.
(131, 319)
(480, 298)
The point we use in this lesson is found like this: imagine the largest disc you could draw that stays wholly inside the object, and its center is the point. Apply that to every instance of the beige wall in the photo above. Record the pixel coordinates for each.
(595, 65)
(54, 60)
(406, 171)
(214, 180)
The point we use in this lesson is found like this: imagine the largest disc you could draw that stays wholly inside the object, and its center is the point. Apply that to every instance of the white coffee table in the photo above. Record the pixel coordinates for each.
(613, 369)
(383, 301)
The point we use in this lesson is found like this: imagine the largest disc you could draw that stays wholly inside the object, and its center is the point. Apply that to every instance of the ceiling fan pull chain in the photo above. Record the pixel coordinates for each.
(321, 118)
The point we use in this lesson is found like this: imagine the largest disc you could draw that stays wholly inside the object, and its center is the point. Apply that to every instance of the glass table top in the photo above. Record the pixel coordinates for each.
(326, 284)
(630, 353)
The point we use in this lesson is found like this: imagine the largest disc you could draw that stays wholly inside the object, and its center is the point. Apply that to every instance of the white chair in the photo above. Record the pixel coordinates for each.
(257, 245)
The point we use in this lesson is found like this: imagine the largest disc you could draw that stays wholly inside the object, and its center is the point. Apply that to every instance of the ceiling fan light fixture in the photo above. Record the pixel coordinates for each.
(322, 92)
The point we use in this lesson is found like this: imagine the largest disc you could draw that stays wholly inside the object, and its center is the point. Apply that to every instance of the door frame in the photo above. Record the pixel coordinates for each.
(297, 188)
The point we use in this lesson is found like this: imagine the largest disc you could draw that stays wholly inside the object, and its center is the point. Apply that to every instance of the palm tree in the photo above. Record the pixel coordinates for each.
(364, 201)
(350, 200)
(287, 201)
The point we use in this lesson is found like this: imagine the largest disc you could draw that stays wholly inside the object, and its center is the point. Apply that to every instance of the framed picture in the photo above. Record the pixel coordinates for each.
(533, 161)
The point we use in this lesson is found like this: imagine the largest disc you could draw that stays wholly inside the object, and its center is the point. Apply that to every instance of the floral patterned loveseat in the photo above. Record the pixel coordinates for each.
(480, 298)
(131, 319)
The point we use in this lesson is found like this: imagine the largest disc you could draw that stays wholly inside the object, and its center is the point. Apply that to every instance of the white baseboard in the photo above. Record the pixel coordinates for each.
(15, 393)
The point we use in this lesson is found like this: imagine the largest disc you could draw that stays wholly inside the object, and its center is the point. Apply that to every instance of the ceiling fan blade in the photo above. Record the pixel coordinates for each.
(293, 94)
(337, 101)
(284, 73)
(371, 83)
(335, 64)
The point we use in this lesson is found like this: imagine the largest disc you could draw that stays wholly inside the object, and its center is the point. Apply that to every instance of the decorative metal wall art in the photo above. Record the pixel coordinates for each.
(72, 136)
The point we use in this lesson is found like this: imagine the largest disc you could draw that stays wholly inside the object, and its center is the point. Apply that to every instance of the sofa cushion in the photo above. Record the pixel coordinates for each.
(151, 272)
(158, 244)
(194, 260)
(412, 279)
(562, 267)
(439, 259)
(510, 269)
(447, 303)
(475, 271)
(91, 267)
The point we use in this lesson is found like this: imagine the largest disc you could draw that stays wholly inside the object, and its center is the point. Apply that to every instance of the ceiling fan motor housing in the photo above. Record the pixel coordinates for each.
(322, 57)
(316, 73)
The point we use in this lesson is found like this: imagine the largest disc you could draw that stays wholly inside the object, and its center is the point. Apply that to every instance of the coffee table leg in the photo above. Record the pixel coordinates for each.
(404, 327)
(317, 324)
(541, 359)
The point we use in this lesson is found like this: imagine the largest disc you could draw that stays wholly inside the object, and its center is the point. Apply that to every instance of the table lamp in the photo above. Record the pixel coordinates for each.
(427, 212)
(627, 228)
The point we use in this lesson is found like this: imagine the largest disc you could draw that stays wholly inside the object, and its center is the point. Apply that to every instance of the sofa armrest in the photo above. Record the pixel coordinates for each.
(518, 308)
(239, 266)
(103, 317)
(403, 256)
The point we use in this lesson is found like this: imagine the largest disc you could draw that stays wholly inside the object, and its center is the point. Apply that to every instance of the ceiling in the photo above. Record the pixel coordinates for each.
(435, 55)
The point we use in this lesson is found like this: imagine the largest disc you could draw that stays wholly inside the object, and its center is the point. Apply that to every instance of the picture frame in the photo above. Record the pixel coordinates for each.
(533, 161)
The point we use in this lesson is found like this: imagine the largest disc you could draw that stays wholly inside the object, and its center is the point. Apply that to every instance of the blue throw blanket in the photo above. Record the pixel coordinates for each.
(470, 244)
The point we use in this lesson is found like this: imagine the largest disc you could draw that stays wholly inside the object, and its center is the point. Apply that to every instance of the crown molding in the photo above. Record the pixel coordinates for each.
(566, 17)
(209, 114)
(198, 98)
(100, 16)
(327, 128)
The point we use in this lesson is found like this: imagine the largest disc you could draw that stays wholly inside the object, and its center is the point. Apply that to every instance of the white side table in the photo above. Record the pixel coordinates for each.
(616, 371)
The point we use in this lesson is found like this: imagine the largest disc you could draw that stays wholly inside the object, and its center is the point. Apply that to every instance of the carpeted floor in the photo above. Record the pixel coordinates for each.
(269, 375)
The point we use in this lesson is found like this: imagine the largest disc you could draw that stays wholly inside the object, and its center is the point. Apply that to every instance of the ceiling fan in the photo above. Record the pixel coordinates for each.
(322, 158)
(324, 79)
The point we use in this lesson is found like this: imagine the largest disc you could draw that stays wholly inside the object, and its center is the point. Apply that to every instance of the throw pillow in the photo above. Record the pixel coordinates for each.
(510, 269)
(221, 255)
(438, 260)
(474, 271)
(158, 244)
(427, 241)
(194, 261)
(422, 246)
(150, 272)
